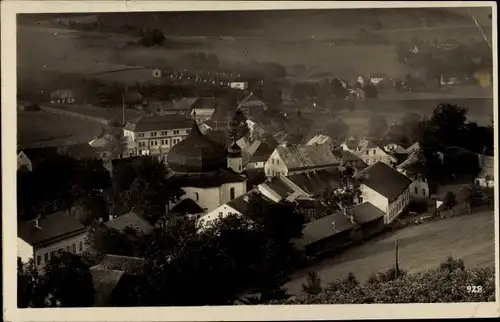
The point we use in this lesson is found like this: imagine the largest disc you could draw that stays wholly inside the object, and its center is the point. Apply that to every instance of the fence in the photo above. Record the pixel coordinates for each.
(74, 114)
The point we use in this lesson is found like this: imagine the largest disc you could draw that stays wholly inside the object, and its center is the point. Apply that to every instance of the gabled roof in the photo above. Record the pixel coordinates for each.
(126, 264)
(251, 101)
(346, 156)
(280, 187)
(132, 220)
(255, 177)
(185, 103)
(322, 228)
(313, 183)
(366, 212)
(210, 124)
(307, 156)
(320, 139)
(241, 205)
(158, 123)
(262, 153)
(52, 227)
(105, 282)
(202, 103)
(187, 206)
(385, 180)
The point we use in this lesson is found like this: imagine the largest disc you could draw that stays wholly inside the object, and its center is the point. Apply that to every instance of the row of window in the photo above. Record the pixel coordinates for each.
(142, 144)
(47, 256)
(272, 173)
(399, 206)
(232, 194)
(275, 161)
(423, 191)
(160, 133)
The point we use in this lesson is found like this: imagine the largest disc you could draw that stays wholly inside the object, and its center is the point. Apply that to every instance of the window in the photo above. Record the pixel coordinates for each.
(67, 248)
(367, 152)
(38, 260)
(81, 246)
(188, 131)
(164, 132)
(46, 257)
(416, 190)
(272, 161)
(176, 132)
(277, 161)
(231, 192)
(197, 196)
(153, 134)
(74, 248)
(423, 192)
(220, 213)
(140, 135)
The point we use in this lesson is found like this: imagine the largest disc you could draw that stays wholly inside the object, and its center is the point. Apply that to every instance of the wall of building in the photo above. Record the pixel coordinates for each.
(485, 183)
(396, 207)
(255, 165)
(235, 163)
(419, 188)
(372, 156)
(24, 250)
(275, 165)
(207, 198)
(220, 212)
(372, 196)
(240, 188)
(268, 192)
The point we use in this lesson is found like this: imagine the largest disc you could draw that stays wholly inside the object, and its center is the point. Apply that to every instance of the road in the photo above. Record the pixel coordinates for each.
(469, 237)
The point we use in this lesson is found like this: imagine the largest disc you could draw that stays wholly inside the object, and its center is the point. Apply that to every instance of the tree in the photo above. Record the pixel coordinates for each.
(106, 240)
(450, 200)
(67, 282)
(89, 209)
(313, 284)
(371, 91)
(152, 37)
(338, 90)
(238, 126)
(337, 129)
(436, 285)
(344, 198)
(378, 126)
(27, 284)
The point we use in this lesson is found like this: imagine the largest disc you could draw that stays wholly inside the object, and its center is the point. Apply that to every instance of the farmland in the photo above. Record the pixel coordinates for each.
(469, 237)
(47, 129)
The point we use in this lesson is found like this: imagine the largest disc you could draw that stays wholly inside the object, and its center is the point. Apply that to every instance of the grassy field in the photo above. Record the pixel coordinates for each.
(47, 129)
(469, 237)
(105, 113)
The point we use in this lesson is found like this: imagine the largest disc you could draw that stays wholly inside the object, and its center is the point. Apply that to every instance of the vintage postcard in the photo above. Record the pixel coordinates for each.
(249, 160)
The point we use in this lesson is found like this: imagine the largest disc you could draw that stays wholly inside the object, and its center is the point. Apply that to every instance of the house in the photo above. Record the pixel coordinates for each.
(203, 108)
(251, 103)
(187, 207)
(339, 230)
(62, 96)
(133, 221)
(372, 153)
(115, 278)
(486, 177)
(157, 73)
(349, 159)
(376, 78)
(360, 80)
(386, 188)
(42, 238)
(287, 160)
(256, 154)
(239, 85)
(238, 206)
(321, 139)
(155, 134)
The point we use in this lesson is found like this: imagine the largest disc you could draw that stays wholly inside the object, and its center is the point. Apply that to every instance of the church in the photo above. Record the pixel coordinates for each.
(209, 174)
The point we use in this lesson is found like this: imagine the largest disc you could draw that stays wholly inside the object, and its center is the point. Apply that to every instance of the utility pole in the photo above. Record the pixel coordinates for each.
(397, 259)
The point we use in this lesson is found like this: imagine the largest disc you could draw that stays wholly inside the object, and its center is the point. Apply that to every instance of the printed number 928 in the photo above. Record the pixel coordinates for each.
(474, 289)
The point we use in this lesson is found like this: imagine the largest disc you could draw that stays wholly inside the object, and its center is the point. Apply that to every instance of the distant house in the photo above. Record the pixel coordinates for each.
(486, 177)
(371, 153)
(202, 114)
(239, 85)
(157, 73)
(62, 96)
(360, 80)
(341, 229)
(321, 139)
(287, 160)
(156, 134)
(44, 237)
(376, 78)
(256, 154)
(115, 278)
(133, 221)
(251, 103)
(386, 188)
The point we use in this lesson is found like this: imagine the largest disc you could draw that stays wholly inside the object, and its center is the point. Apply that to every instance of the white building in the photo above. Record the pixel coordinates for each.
(156, 134)
(239, 85)
(368, 151)
(386, 188)
(157, 73)
(287, 160)
(486, 177)
(43, 238)
(376, 78)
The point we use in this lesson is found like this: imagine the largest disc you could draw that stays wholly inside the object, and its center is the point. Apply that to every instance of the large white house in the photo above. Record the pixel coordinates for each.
(386, 188)
(287, 160)
(368, 151)
(42, 238)
(156, 134)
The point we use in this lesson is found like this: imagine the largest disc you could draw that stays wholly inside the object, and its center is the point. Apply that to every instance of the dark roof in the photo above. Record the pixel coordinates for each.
(346, 155)
(241, 204)
(158, 123)
(366, 212)
(262, 153)
(255, 177)
(208, 179)
(280, 187)
(104, 281)
(385, 180)
(185, 103)
(205, 103)
(307, 156)
(38, 155)
(315, 182)
(187, 206)
(251, 101)
(132, 220)
(52, 227)
(210, 123)
(126, 264)
(322, 228)
(378, 75)
(197, 153)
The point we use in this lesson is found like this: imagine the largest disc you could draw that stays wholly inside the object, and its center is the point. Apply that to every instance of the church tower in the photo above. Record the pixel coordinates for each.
(235, 158)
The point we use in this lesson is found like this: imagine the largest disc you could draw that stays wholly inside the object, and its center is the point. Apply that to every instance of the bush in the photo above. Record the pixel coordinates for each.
(417, 206)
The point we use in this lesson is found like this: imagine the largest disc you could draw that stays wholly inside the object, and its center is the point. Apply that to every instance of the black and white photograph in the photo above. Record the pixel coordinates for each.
(249, 156)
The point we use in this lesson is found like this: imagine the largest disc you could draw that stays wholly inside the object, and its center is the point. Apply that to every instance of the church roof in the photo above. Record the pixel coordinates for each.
(208, 179)
(197, 153)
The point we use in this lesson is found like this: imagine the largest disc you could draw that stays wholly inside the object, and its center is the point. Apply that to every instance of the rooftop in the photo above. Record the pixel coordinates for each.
(366, 212)
(159, 123)
(307, 156)
(243, 206)
(209, 179)
(322, 228)
(126, 264)
(104, 281)
(315, 182)
(51, 228)
(132, 220)
(280, 187)
(187, 207)
(262, 153)
(385, 180)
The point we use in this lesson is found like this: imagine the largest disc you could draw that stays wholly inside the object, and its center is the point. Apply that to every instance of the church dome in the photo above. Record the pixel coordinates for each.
(197, 153)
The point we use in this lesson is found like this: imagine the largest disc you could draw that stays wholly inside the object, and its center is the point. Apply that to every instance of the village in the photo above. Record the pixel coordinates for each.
(207, 186)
